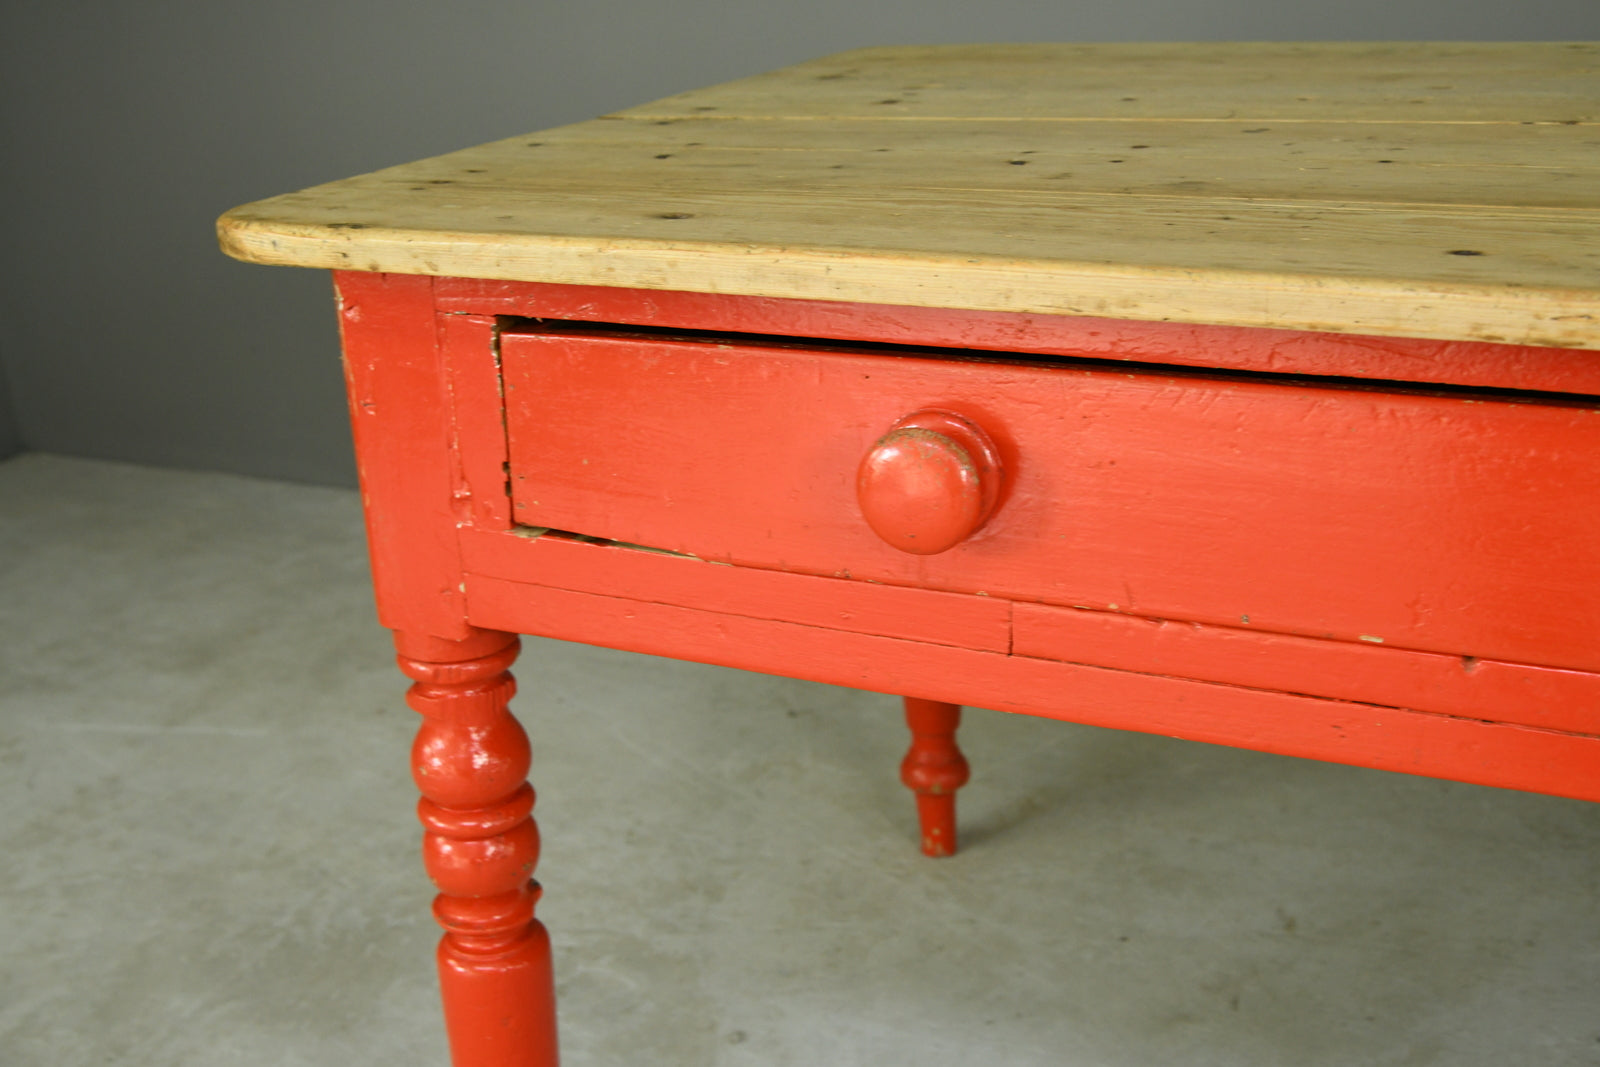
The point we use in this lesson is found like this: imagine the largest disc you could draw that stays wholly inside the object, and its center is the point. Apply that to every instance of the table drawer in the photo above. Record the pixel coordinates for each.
(1456, 522)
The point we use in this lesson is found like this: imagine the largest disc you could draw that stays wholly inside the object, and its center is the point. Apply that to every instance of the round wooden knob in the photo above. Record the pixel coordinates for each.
(929, 483)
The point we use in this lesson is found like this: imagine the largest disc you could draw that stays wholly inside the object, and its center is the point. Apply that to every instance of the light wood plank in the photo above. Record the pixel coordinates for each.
(1031, 164)
(1309, 187)
(1401, 81)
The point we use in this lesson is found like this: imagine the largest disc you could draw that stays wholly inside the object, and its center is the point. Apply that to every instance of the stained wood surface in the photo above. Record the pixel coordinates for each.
(1422, 190)
(1456, 523)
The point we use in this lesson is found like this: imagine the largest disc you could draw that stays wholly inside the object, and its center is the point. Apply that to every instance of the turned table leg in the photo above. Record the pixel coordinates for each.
(480, 845)
(935, 768)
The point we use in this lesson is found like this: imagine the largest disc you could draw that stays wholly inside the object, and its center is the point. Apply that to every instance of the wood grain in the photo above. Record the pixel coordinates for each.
(1401, 81)
(1412, 190)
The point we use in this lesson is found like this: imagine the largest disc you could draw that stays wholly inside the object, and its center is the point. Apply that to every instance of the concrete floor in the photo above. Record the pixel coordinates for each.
(210, 856)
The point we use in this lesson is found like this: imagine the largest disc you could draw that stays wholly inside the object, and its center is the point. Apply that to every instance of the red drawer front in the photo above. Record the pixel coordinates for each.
(1448, 523)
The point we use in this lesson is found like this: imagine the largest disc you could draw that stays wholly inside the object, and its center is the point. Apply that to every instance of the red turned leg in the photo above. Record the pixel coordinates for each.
(935, 769)
(480, 845)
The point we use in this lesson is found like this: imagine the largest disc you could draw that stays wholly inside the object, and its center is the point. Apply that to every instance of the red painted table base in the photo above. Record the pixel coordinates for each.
(1498, 698)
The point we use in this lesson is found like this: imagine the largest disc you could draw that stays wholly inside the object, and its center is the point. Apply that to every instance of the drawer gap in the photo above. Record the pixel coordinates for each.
(534, 532)
(513, 325)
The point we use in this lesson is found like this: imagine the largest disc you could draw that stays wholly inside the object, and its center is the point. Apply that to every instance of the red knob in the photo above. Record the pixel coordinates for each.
(929, 483)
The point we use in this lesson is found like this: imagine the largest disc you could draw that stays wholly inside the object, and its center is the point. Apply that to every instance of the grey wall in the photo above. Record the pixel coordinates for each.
(10, 435)
(129, 125)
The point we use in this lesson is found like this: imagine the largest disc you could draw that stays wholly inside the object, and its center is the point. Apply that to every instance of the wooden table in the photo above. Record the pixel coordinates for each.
(1243, 393)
